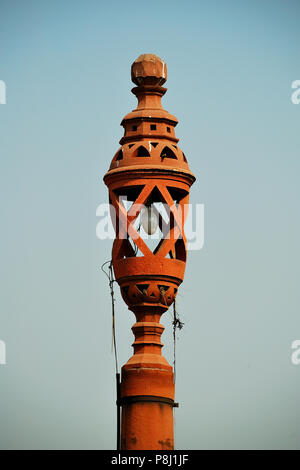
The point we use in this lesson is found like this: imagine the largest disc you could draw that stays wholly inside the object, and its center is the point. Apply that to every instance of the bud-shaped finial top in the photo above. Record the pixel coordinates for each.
(149, 69)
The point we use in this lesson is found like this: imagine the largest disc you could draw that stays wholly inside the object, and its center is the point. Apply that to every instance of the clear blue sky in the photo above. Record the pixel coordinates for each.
(66, 65)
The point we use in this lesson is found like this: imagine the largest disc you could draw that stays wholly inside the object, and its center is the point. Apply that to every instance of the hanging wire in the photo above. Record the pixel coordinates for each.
(177, 323)
(111, 281)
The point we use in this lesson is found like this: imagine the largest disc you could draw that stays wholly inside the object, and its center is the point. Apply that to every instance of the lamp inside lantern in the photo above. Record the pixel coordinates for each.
(149, 220)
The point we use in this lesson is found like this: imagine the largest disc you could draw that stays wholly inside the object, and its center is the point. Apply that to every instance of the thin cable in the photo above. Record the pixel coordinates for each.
(174, 340)
(177, 323)
(111, 281)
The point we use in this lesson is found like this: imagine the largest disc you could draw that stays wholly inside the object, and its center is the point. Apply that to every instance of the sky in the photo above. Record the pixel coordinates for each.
(66, 66)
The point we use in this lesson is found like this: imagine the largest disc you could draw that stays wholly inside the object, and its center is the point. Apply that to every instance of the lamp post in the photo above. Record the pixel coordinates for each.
(149, 174)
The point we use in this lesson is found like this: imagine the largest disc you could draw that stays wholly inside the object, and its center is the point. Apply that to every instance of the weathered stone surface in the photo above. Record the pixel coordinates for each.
(149, 69)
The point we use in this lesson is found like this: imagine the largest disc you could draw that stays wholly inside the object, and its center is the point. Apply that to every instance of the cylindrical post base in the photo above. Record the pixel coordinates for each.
(147, 398)
(147, 425)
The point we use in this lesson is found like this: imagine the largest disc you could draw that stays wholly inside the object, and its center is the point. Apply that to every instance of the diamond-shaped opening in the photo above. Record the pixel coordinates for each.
(167, 153)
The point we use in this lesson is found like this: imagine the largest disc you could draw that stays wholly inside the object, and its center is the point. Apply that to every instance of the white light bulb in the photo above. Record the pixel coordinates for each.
(149, 220)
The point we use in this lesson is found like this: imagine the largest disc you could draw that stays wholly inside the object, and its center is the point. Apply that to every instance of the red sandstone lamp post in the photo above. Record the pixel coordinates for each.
(150, 172)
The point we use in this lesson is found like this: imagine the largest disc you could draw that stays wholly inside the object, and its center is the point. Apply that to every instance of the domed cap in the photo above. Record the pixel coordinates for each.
(149, 69)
